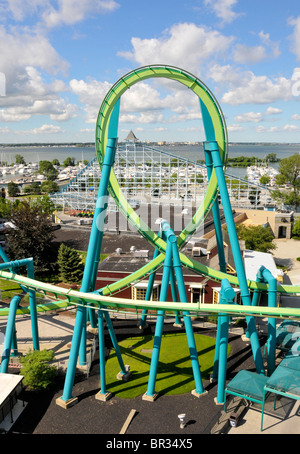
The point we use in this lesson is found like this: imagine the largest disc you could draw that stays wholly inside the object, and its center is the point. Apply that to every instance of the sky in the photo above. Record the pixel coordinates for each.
(59, 58)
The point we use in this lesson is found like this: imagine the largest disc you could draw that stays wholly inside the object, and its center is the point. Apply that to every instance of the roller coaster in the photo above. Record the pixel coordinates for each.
(95, 305)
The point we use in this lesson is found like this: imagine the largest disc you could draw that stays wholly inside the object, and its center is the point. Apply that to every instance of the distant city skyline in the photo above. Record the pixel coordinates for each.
(58, 59)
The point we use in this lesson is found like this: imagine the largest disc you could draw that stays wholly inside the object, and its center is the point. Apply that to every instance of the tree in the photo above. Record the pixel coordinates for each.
(69, 264)
(296, 228)
(265, 179)
(256, 237)
(5, 208)
(272, 157)
(289, 174)
(33, 188)
(69, 162)
(48, 170)
(44, 204)
(38, 374)
(49, 187)
(13, 189)
(32, 236)
(20, 159)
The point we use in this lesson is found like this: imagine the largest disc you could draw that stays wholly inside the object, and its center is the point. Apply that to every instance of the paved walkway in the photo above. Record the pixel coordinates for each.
(285, 254)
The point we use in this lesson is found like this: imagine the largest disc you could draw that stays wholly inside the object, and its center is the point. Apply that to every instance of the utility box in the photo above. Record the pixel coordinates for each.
(236, 415)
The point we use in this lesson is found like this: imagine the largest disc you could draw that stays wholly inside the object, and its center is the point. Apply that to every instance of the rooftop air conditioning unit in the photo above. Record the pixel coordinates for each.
(142, 253)
(196, 251)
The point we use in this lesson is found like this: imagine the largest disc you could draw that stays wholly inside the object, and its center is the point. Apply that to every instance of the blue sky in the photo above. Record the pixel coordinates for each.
(58, 59)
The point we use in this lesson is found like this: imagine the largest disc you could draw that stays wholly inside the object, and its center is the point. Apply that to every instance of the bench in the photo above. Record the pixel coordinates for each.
(285, 381)
(247, 385)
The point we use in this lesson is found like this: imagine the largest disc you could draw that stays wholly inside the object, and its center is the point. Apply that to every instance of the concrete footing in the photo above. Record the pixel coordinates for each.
(66, 403)
(126, 376)
(194, 393)
(103, 397)
(150, 398)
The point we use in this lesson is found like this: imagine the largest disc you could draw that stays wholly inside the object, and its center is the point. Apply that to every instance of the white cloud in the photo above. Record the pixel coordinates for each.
(25, 49)
(272, 45)
(249, 54)
(273, 111)
(47, 129)
(254, 54)
(234, 128)
(184, 45)
(296, 117)
(223, 9)
(57, 109)
(30, 95)
(225, 75)
(73, 11)
(90, 94)
(142, 118)
(259, 90)
(274, 129)
(249, 117)
(19, 9)
(295, 37)
(42, 130)
(291, 128)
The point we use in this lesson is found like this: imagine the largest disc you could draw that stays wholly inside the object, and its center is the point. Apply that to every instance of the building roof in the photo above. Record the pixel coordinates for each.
(129, 262)
(254, 260)
(8, 382)
(131, 137)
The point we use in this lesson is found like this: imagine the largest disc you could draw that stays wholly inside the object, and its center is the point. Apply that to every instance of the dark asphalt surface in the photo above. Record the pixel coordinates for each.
(42, 416)
(90, 416)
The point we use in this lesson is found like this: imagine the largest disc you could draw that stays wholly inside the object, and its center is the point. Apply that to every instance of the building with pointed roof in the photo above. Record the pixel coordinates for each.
(131, 137)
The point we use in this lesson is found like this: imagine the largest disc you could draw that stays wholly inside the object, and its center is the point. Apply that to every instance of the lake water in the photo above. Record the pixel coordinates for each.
(191, 152)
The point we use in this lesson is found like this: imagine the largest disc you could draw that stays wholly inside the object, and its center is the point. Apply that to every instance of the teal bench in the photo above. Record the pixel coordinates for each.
(284, 381)
(248, 385)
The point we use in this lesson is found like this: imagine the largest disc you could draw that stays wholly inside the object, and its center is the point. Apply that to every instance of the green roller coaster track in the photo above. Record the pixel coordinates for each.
(95, 300)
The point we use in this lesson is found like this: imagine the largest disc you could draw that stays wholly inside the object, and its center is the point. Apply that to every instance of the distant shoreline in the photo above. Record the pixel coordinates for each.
(92, 144)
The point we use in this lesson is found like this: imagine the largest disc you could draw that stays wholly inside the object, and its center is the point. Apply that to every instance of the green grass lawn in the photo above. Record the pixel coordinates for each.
(174, 375)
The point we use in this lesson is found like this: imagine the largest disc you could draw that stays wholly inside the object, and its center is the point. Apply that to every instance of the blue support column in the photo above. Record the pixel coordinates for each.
(227, 297)
(14, 266)
(175, 297)
(256, 297)
(150, 393)
(92, 260)
(124, 373)
(82, 345)
(210, 136)
(67, 397)
(234, 242)
(14, 346)
(272, 297)
(102, 394)
(9, 333)
(216, 217)
(149, 291)
(101, 352)
(187, 322)
(32, 305)
(214, 374)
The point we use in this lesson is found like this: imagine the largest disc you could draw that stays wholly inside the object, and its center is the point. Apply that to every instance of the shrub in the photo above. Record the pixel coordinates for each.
(296, 228)
(70, 264)
(38, 374)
